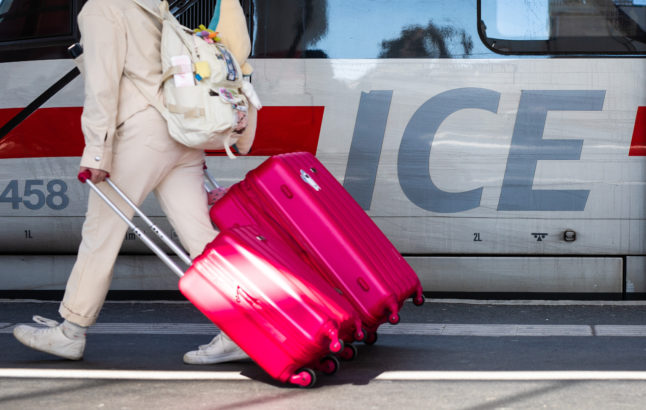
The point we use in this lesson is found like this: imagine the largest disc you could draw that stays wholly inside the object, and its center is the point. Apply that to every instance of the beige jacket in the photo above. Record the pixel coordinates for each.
(119, 36)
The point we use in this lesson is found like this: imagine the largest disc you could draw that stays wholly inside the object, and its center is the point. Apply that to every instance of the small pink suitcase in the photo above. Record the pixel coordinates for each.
(257, 290)
(298, 194)
(260, 293)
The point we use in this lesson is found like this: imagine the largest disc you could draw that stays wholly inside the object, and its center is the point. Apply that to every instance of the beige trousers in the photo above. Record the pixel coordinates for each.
(145, 159)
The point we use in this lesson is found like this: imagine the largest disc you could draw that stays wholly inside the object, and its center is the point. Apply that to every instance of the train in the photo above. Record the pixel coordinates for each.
(499, 144)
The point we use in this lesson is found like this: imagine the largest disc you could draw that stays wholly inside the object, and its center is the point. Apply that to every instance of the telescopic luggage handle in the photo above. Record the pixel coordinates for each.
(215, 191)
(85, 176)
(210, 177)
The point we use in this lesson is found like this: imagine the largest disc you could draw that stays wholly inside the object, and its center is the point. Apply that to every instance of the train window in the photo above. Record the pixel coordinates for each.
(28, 19)
(566, 27)
(37, 29)
(43, 29)
(193, 13)
(364, 29)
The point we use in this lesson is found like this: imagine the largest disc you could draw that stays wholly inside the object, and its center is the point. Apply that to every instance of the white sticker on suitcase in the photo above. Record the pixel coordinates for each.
(309, 180)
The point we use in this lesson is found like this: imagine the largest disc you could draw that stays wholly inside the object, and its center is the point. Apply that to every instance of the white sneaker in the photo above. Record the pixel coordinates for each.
(220, 350)
(50, 339)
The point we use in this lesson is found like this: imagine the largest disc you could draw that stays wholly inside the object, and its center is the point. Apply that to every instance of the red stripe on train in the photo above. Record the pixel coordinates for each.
(49, 132)
(56, 132)
(638, 143)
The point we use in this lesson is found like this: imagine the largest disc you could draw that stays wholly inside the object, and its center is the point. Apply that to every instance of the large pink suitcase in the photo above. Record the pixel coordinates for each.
(299, 195)
(258, 290)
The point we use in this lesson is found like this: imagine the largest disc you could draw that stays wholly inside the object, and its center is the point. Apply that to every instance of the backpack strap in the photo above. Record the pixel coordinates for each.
(164, 15)
(151, 99)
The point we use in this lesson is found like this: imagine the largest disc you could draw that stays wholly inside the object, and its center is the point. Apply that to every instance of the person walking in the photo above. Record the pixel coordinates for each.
(128, 139)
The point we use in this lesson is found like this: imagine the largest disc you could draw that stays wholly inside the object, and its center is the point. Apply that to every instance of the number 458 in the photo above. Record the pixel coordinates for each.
(34, 196)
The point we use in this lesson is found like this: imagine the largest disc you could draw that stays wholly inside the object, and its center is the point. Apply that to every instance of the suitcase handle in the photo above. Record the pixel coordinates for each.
(85, 177)
(210, 177)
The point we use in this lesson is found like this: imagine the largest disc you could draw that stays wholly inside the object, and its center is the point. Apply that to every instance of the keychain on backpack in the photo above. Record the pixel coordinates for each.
(202, 70)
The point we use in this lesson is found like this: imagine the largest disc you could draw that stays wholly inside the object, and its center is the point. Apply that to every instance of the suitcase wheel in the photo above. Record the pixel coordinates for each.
(349, 352)
(393, 318)
(371, 338)
(360, 335)
(336, 345)
(304, 378)
(418, 300)
(329, 364)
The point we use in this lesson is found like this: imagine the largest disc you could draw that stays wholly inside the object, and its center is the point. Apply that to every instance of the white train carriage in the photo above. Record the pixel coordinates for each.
(499, 144)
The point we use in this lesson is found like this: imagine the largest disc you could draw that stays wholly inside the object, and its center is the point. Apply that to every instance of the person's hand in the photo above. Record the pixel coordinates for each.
(98, 175)
(242, 122)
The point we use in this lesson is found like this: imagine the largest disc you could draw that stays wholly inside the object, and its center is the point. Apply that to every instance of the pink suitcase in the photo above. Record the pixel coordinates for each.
(257, 290)
(260, 293)
(296, 192)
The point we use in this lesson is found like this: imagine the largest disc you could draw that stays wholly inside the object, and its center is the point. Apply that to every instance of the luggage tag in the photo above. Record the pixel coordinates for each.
(183, 76)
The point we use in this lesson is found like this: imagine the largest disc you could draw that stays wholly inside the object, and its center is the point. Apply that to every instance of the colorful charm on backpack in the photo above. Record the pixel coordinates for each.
(207, 34)
(230, 95)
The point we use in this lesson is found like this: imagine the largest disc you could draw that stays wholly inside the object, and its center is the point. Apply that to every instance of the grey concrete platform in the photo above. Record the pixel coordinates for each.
(444, 355)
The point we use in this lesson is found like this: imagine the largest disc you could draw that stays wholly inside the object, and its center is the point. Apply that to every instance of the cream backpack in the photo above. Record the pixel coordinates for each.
(203, 88)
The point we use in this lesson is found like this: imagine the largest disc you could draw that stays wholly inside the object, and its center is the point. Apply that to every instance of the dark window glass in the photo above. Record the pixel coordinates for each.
(193, 13)
(28, 19)
(364, 29)
(564, 26)
(31, 19)
(43, 29)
